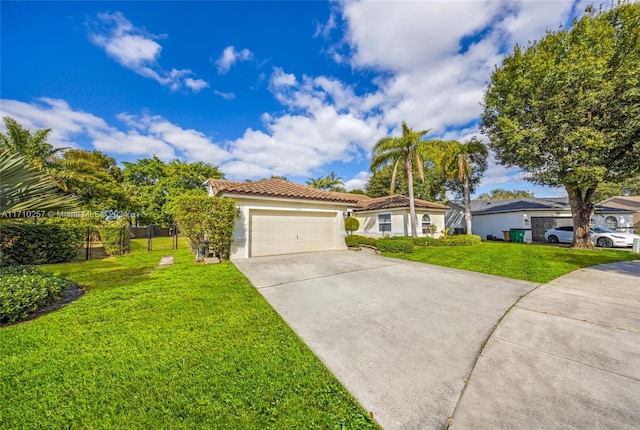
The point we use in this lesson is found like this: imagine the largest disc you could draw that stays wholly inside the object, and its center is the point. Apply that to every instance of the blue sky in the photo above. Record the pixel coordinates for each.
(298, 89)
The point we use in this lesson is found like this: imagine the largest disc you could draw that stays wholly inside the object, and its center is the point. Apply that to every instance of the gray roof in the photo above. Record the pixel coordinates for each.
(479, 206)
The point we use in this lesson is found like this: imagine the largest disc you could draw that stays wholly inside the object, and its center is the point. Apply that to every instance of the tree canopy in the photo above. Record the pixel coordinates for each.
(154, 185)
(502, 194)
(331, 182)
(566, 109)
(431, 189)
(95, 179)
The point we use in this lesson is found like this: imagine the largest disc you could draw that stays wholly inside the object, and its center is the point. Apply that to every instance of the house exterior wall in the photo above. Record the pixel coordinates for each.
(494, 224)
(400, 224)
(625, 222)
(240, 240)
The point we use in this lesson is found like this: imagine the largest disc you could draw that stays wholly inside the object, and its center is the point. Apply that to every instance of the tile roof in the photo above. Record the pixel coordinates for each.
(280, 188)
(396, 201)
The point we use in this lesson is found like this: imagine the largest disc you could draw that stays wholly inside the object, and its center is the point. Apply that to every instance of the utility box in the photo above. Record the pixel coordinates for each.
(636, 246)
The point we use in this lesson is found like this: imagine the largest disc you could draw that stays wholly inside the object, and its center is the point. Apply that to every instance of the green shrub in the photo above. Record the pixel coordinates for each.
(371, 241)
(113, 239)
(464, 240)
(352, 240)
(201, 217)
(461, 240)
(25, 289)
(395, 245)
(355, 240)
(23, 244)
(351, 224)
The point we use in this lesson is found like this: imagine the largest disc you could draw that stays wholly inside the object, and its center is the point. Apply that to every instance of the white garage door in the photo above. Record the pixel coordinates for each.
(282, 232)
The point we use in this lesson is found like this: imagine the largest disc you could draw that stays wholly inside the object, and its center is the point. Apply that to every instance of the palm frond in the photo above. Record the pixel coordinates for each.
(25, 188)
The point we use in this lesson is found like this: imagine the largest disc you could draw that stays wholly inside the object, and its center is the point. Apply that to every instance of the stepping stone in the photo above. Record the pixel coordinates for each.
(165, 261)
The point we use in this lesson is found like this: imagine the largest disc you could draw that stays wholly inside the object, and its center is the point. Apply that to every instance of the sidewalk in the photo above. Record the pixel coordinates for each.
(567, 356)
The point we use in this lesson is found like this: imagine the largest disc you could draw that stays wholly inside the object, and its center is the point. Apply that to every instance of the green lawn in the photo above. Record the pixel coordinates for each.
(187, 346)
(535, 263)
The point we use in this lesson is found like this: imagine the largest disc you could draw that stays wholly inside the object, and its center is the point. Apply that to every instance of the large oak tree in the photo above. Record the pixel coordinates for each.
(566, 109)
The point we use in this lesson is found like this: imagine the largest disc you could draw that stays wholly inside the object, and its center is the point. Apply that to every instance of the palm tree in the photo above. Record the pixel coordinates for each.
(33, 146)
(26, 188)
(331, 182)
(408, 149)
(460, 162)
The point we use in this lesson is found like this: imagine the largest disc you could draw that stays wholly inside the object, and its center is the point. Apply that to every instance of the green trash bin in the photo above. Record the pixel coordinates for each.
(516, 235)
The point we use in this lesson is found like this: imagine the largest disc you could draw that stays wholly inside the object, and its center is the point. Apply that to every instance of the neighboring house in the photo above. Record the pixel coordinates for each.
(491, 218)
(620, 213)
(280, 217)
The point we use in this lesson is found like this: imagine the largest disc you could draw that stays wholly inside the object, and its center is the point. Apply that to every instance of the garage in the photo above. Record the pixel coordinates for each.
(541, 224)
(274, 232)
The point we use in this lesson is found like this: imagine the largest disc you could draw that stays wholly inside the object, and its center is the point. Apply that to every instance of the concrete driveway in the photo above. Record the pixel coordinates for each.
(402, 337)
(567, 356)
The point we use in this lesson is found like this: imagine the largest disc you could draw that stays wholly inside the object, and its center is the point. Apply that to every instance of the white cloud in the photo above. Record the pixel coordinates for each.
(55, 114)
(138, 50)
(281, 79)
(436, 59)
(196, 84)
(358, 181)
(324, 30)
(226, 96)
(144, 135)
(230, 56)
(191, 144)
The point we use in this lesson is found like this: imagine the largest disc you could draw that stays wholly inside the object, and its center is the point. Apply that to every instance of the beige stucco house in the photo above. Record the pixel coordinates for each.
(280, 217)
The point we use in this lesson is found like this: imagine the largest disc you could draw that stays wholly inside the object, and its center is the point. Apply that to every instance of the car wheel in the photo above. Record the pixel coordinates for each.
(605, 242)
(553, 239)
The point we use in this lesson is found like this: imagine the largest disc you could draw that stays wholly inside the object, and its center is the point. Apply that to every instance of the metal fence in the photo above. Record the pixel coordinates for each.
(101, 242)
(154, 231)
(105, 241)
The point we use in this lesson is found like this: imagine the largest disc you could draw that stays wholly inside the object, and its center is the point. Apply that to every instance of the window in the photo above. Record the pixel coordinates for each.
(611, 222)
(384, 223)
(426, 223)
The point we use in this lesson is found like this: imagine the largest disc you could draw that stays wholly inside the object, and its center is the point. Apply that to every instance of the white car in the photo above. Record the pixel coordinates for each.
(601, 236)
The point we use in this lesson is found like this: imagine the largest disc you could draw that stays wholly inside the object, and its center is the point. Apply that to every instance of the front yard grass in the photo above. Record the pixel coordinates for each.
(185, 346)
(535, 263)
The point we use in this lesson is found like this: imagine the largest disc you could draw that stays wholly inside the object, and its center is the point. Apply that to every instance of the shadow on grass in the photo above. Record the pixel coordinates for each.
(584, 259)
(106, 274)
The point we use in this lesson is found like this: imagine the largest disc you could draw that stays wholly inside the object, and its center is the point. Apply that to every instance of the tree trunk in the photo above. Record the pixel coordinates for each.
(412, 206)
(581, 209)
(467, 204)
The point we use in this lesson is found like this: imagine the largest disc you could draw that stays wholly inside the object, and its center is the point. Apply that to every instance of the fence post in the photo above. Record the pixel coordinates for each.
(175, 237)
(88, 253)
(149, 236)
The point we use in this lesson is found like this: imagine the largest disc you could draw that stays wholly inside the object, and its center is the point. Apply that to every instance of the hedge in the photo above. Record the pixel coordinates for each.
(403, 243)
(394, 245)
(207, 218)
(113, 239)
(23, 244)
(457, 240)
(25, 289)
